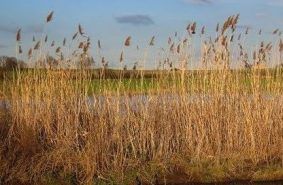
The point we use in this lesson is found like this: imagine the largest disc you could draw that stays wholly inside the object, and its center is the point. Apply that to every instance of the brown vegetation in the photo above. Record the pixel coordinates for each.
(205, 126)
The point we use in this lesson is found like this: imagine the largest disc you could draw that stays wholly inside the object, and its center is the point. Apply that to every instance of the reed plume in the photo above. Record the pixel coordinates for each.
(151, 43)
(75, 36)
(58, 49)
(128, 41)
(49, 17)
(80, 30)
(30, 53)
(18, 35)
(20, 49)
(122, 57)
(37, 46)
(99, 44)
(64, 42)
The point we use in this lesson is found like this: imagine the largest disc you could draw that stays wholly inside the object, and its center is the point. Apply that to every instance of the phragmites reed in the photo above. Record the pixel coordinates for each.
(30, 53)
(229, 23)
(37, 46)
(86, 47)
(275, 31)
(203, 30)
(135, 66)
(172, 47)
(64, 42)
(151, 43)
(62, 56)
(169, 40)
(18, 35)
(80, 30)
(20, 50)
(178, 48)
(104, 63)
(122, 57)
(217, 27)
(224, 41)
(76, 123)
(58, 49)
(188, 28)
(232, 38)
(49, 17)
(234, 21)
(81, 45)
(247, 30)
(239, 37)
(185, 41)
(281, 46)
(75, 35)
(254, 55)
(193, 28)
(103, 60)
(128, 41)
(99, 44)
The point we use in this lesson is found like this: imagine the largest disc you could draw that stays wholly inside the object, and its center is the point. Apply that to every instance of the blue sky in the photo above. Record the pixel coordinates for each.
(113, 20)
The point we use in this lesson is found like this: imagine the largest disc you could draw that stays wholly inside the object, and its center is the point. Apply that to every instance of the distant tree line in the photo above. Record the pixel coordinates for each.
(10, 63)
(49, 62)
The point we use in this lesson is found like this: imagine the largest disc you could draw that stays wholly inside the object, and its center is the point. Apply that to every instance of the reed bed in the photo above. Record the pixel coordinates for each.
(220, 123)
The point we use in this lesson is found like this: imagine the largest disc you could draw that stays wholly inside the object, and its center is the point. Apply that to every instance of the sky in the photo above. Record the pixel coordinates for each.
(111, 21)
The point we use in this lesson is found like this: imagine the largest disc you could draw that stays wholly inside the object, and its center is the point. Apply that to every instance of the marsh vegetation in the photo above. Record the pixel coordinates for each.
(221, 122)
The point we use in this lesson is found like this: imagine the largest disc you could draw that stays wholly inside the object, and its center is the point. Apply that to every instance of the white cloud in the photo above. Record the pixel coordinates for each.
(198, 2)
(208, 2)
(135, 19)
